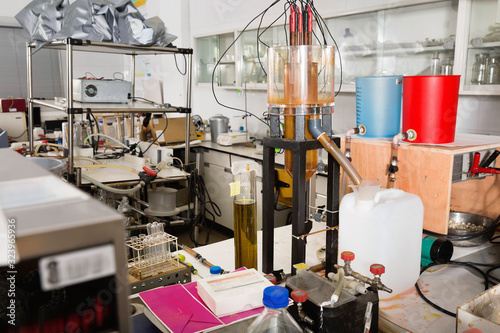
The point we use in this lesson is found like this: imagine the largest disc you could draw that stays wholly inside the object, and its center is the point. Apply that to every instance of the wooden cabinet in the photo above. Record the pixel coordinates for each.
(436, 174)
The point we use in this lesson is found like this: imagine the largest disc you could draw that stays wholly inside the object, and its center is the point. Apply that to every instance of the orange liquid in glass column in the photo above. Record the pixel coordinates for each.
(300, 92)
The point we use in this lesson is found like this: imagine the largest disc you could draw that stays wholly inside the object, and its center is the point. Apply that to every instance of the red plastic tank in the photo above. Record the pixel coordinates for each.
(430, 107)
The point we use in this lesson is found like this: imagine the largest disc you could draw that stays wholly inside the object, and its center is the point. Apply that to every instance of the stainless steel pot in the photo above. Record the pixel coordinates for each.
(473, 219)
(218, 124)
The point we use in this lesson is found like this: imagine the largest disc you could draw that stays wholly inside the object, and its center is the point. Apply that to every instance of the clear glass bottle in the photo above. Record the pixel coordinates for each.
(492, 70)
(479, 69)
(435, 68)
(447, 66)
(275, 317)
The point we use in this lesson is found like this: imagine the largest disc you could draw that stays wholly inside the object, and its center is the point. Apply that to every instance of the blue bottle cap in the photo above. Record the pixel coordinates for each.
(275, 297)
(214, 270)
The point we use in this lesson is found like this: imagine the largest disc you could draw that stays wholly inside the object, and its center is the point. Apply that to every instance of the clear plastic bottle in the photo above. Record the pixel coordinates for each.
(275, 318)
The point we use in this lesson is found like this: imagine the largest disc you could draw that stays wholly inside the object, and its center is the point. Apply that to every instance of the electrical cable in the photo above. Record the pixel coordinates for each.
(494, 238)
(434, 305)
(222, 56)
(495, 279)
(260, 34)
(17, 137)
(198, 190)
(158, 136)
(185, 64)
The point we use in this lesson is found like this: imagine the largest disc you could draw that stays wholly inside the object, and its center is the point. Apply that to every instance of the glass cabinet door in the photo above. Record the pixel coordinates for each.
(207, 54)
(482, 70)
(254, 54)
(412, 40)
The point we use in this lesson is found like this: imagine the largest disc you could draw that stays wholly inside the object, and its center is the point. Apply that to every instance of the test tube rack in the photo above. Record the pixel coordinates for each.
(151, 253)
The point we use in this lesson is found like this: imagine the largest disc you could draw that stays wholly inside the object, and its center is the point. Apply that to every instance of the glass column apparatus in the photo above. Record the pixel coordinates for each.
(300, 87)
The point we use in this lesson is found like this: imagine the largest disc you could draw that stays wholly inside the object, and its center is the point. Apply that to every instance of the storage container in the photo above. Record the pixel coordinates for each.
(383, 226)
(430, 107)
(378, 105)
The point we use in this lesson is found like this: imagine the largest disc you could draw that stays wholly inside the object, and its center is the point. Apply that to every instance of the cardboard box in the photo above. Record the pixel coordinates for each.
(175, 132)
(234, 292)
(466, 319)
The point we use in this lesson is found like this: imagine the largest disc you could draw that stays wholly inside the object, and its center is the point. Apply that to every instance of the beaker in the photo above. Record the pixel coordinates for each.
(245, 218)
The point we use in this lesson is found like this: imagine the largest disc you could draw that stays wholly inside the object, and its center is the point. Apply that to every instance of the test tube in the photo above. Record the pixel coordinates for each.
(141, 252)
(133, 245)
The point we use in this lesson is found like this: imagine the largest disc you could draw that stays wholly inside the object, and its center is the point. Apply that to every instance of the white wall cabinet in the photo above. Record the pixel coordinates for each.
(396, 41)
(480, 44)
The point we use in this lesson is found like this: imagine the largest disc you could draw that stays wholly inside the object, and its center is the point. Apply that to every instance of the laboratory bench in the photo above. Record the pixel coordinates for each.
(449, 287)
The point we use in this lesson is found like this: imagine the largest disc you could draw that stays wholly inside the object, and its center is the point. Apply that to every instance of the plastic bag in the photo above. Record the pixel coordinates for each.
(117, 21)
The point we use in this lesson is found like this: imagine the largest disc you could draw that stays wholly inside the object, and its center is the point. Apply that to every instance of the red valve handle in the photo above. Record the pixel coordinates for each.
(271, 278)
(347, 256)
(149, 172)
(299, 296)
(377, 269)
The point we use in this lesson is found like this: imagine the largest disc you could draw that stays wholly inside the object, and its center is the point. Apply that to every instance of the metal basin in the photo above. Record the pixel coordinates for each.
(473, 219)
(53, 165)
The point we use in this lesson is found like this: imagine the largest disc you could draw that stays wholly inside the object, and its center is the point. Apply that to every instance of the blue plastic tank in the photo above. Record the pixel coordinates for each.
(378, 105)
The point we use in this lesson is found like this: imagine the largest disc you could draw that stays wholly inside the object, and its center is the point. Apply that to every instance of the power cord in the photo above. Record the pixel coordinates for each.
(158, 136)
(198, 189)
(457, 263)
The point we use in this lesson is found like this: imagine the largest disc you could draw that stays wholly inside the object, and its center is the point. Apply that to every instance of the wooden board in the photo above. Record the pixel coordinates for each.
(426, 171)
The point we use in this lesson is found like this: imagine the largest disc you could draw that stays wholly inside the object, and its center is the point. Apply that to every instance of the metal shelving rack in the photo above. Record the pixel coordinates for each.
(71, 45)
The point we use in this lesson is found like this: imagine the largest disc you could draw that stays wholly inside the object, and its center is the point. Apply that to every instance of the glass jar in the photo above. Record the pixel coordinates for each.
(479, 69)
(492, 70)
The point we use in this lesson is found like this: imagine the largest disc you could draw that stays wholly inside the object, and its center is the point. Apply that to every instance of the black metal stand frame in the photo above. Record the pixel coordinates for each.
(299, 200)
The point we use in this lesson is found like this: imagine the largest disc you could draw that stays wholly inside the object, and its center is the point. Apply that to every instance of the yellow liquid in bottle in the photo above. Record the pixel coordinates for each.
(245, 233)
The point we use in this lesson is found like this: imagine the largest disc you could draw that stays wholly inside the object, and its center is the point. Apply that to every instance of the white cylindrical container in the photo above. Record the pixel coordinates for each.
(383, 226)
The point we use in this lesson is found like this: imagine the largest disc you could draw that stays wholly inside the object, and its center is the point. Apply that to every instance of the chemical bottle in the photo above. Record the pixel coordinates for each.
(275, 318)
(101, 127)
(243, 190)
(383, 226)
(37, 132)
(435, 68)
(111, 129)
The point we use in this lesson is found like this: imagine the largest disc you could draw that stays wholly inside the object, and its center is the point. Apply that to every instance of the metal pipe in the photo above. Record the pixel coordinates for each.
(317, 132)
(29, 58)
(393, 166)
(132, 79)
(69, 106)
(189, 70)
